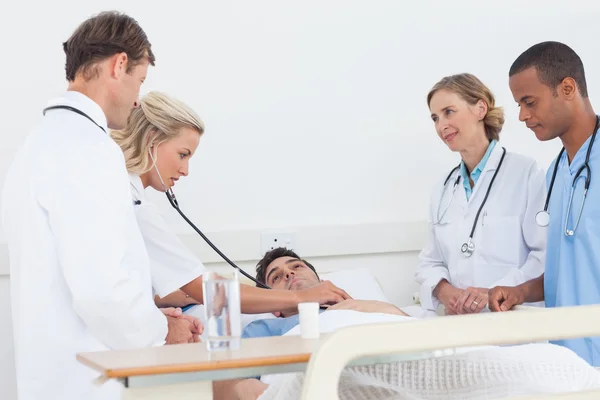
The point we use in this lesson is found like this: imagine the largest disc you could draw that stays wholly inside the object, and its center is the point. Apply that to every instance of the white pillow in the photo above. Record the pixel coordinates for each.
(358, 283)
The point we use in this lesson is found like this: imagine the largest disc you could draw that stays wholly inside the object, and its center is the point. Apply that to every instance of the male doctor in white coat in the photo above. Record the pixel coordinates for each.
(80, 276)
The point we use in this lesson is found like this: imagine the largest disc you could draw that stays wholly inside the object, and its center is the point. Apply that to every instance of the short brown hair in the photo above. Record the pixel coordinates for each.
(103, 36)
(471, 90)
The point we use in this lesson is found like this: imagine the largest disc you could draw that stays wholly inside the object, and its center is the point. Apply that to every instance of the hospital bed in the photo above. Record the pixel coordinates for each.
(524, 325)
(186, 371)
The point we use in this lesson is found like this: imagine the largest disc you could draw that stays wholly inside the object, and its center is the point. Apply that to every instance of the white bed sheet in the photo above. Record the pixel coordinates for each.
(483, 372)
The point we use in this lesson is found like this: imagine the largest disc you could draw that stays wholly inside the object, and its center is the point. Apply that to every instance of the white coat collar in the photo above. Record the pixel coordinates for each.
(137, 187)
(494, 160)
(490, 166)
(82, 103)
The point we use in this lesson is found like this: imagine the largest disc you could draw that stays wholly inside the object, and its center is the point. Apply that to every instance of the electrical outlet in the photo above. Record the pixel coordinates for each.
(273, 240)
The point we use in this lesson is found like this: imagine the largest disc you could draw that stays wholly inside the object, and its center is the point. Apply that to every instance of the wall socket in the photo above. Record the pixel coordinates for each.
(272, 240)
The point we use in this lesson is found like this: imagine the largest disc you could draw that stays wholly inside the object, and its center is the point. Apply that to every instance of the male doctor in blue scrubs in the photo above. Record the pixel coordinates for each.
(548, 83)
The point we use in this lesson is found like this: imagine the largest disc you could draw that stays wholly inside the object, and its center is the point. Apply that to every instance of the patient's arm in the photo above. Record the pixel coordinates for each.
(238, 389)
(257, 300)
(370, 306)
(175, 299)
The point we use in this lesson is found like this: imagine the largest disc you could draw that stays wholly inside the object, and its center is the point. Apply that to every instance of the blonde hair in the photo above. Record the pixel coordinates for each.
(158, 119)
(471, 90)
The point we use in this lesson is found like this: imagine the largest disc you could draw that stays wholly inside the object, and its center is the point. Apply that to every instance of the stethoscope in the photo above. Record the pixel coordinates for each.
(173, 200)
(468, 247)
(75, 110)
(440, 217)
(170, 196)
(542, 218)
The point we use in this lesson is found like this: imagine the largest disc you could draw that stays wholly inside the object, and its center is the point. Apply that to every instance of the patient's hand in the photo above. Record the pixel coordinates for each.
(369, 306)
(323, 293)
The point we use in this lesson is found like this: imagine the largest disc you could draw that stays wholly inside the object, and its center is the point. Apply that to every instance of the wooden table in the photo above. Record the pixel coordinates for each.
(186, 371)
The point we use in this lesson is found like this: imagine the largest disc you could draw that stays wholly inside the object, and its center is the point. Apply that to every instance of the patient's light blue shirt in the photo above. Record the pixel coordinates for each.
(271, 326)
(476, 173)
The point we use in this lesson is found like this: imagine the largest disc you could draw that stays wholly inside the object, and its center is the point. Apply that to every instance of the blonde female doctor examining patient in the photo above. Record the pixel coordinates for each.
(482, 230)
(160, 138)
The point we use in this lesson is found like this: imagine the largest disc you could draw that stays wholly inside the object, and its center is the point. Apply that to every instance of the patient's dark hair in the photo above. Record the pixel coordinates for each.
(270, 256)
(553, 62)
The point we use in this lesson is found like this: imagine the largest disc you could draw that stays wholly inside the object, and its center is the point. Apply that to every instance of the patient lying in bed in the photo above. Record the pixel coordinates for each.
(475, 373)
(283, 269)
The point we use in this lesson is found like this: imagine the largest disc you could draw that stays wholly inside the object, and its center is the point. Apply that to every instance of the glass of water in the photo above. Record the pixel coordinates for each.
(222, 310)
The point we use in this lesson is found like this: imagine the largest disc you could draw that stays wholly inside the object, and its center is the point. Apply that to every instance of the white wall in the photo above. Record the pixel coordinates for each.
(315, 110)
(327, 97)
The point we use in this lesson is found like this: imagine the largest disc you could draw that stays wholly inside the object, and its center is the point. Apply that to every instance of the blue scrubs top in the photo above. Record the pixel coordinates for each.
(572, 275)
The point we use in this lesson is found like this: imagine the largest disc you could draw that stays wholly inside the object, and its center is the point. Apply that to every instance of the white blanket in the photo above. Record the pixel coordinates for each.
(473, 373)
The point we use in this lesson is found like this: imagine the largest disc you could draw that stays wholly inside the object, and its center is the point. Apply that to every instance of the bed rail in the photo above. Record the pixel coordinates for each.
(525, 325)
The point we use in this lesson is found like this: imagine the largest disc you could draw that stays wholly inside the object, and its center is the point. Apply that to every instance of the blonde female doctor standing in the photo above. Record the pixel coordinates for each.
(482, 229)
(160, 138)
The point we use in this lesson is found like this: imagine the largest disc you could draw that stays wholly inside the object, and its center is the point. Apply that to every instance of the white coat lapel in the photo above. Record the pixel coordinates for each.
(486, 176)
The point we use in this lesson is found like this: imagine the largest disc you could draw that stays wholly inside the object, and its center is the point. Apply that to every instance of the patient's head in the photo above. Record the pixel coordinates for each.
(283, 269)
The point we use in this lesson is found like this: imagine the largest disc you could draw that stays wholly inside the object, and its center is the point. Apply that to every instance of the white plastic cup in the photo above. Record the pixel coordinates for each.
(309, 320)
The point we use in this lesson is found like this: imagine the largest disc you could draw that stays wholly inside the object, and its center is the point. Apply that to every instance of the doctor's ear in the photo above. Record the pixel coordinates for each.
(482, 109)
(150, 154)
(119, 64)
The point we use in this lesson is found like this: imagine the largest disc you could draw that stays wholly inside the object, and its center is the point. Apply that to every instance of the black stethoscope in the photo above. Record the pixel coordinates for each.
(468, 247)
(542, 218)
(170, 196)
(173, 200)
(75, 110)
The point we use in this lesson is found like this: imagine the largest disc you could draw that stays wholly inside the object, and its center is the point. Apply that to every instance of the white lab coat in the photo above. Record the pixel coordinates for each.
(509, 246)
(80, 276)
(173, 265)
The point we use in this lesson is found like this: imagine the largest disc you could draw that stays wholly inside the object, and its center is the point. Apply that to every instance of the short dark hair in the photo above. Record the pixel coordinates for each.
(101, 37)
(270, 256)
(553, 62)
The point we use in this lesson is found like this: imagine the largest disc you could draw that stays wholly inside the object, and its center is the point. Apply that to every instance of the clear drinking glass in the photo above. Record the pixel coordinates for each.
(222, 309)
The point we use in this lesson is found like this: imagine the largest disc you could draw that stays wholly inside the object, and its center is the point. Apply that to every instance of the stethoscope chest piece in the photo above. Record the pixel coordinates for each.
(468, 248)
(542, 218)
